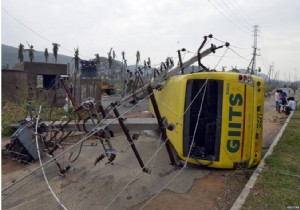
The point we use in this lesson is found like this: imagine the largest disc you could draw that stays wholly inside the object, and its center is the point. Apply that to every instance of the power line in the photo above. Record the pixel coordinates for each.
(200, 109)
(38, 34)
(243, 12)
(106, 170)
(88, 135)
(233, 57)
(221, 58)
(238, 54)
(40, 161)
(264, 62)
(237, 14)
(127, 185)
(237, 26)
(133, 178)
(236, 19)
(190, 150)
(237, 11)
(234, 46)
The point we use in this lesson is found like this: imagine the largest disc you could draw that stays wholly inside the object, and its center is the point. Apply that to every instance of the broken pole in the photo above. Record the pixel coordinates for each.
(162, 127)
(129, 138)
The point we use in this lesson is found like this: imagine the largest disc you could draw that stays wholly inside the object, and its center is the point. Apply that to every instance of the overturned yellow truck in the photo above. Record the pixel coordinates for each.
(218, 118)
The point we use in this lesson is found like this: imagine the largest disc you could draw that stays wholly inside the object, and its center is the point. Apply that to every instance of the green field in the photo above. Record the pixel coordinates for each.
(278, 185)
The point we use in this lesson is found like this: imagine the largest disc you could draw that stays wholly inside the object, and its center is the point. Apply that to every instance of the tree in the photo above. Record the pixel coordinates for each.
(20, 52)
(55, 51)
(46, 54)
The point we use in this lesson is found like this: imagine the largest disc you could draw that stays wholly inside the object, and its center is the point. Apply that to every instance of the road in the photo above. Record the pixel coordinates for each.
(123, 185)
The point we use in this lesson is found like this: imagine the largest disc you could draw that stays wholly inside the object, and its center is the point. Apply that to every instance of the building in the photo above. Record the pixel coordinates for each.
(88, 83)
(29, 80)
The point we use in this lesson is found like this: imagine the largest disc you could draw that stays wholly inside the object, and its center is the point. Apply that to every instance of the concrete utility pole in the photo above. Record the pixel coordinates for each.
(253, 68)
(271, 69)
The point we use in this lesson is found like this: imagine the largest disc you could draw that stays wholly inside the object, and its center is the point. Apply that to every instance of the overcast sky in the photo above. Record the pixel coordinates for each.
(158, 28)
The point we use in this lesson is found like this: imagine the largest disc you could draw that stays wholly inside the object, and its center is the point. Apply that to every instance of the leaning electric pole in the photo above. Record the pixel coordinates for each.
(253, 67)
(270, 73)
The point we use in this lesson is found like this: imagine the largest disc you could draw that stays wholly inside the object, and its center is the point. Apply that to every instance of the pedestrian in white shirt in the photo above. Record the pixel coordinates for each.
(277, 100)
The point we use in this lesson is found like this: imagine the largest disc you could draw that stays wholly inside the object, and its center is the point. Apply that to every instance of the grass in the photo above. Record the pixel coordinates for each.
(13, 112)
(278, 185)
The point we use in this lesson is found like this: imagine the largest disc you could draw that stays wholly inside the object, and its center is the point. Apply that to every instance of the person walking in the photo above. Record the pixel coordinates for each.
(282, 96)
(277, 100)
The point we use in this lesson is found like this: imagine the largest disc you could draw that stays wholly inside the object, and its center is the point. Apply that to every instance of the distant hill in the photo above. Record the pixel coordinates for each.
(9, 58)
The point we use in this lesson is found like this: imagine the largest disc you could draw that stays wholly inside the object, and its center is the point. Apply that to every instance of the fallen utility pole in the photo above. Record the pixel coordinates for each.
(167, 74)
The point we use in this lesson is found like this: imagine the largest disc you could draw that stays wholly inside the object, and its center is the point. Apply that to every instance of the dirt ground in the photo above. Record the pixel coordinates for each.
(87, 187)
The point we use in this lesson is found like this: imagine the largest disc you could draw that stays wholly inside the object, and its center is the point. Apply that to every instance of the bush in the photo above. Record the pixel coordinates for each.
(11, 113)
